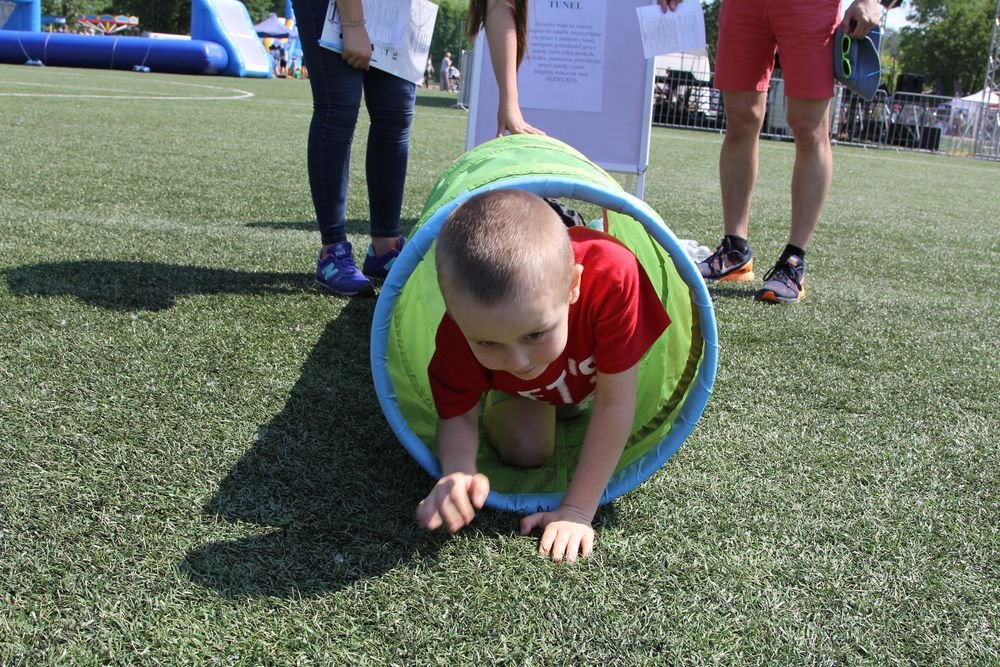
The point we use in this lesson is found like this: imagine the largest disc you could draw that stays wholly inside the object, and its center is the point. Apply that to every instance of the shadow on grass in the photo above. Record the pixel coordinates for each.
(120, 285)
(719, 290)
(326, 480)
(327, 476)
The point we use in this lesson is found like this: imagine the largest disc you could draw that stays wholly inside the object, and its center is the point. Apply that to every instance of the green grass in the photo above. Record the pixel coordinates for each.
(194, 468)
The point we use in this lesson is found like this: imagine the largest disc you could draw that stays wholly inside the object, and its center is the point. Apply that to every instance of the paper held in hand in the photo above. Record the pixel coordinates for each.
(400, 31)
(677, 31)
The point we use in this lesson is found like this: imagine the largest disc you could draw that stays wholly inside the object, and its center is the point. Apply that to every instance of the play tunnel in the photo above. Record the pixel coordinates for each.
(675, 376)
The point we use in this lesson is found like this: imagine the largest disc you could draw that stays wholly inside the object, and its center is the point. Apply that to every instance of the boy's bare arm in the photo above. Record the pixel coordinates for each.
(567, 530)
(458, 442)
(461, 490)
(609, 429)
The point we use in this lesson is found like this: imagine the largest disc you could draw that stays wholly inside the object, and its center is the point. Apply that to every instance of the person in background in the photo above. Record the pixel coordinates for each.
(445, 72)
(272, 51)
(428, 73)
(282, 61)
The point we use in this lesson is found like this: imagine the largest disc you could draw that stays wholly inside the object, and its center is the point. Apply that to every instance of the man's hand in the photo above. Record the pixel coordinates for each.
(357, 47)
(453, 501)
(567, 533)
(669, 4)
(860, 17)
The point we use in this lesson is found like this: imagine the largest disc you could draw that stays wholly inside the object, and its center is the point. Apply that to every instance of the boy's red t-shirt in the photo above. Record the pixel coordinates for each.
(615, 321)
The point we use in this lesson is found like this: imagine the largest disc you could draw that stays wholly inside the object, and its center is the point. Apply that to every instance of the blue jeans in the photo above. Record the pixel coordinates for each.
(336, 91)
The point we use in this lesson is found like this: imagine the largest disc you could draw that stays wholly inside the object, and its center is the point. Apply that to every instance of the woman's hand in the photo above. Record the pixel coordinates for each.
(357, 47)
(509, 119)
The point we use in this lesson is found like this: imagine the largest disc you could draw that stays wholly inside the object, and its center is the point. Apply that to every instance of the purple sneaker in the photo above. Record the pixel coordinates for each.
(338, 273)
(377, 267)
(785, 282)
(727, 263)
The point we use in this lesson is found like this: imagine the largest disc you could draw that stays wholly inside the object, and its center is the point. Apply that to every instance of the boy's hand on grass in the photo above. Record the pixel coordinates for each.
(567, 533)
(453, 501)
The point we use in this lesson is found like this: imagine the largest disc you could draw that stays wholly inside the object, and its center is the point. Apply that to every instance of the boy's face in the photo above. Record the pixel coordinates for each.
(521, 339)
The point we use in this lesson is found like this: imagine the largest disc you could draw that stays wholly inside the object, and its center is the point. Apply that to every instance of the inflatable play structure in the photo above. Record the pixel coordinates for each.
(675, 376)
(222, 41)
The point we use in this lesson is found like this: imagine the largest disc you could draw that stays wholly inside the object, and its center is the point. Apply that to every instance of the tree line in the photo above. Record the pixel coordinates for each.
(947, 43)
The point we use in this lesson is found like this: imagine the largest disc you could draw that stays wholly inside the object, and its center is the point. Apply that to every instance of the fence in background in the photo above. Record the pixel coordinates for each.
(953, 126)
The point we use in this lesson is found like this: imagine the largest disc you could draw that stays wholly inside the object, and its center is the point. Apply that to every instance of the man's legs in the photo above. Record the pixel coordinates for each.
(811, 175)
(809, 121)
(738, 158)
(733, 258)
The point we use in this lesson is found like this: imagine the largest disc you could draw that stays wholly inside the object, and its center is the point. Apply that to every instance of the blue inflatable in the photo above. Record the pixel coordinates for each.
(179, 56)
(21, 15)
(223, 42)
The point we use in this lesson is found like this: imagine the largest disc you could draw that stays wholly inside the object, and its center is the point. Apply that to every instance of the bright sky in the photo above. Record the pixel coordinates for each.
(897, 15)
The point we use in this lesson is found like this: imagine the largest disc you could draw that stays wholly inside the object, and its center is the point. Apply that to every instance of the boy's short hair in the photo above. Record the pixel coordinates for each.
(503, 245)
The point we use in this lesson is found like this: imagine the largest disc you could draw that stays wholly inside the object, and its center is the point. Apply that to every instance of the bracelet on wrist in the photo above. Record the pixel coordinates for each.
(352, 24)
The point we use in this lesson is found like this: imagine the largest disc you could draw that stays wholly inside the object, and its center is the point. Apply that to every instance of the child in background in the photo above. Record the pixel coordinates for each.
(536, 317)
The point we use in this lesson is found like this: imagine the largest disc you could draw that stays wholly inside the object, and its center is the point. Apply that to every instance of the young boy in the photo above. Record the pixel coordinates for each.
(537, 317)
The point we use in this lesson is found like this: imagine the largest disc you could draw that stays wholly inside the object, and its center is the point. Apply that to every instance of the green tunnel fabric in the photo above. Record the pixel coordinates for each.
(666, 373)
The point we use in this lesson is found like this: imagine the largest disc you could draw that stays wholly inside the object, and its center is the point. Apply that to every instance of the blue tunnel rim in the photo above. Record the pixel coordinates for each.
(612, 199)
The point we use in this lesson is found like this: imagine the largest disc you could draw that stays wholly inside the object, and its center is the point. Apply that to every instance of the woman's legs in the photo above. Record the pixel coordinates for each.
(336, 90)
(390, 101)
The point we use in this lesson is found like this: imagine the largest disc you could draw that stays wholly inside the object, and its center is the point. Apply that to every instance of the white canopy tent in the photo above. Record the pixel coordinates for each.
(984, 96)
(970, 107)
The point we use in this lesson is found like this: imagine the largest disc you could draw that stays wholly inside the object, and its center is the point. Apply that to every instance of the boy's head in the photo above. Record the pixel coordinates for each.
(506, 271)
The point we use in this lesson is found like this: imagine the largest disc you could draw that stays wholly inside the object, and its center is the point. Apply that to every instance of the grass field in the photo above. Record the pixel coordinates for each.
(194, 468)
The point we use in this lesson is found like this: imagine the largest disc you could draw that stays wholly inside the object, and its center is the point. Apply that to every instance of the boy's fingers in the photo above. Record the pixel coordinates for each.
(545, 544)
(530, 522)
(427, 516)
(479, 489)
(559, 546)
(457, 510)
(587, 545)
(572, 550)
(451, 516)
(434, 522)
